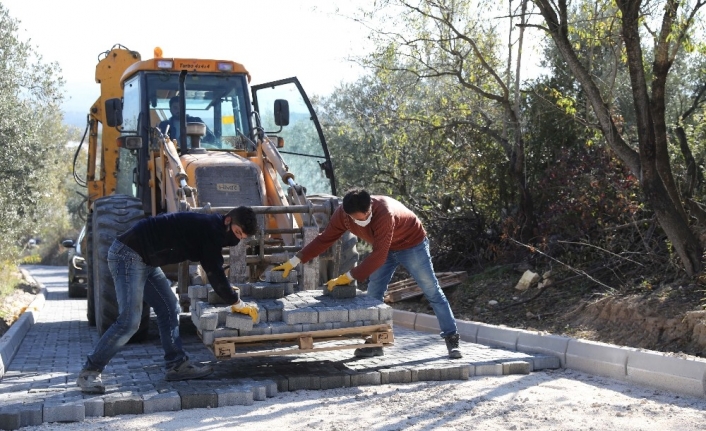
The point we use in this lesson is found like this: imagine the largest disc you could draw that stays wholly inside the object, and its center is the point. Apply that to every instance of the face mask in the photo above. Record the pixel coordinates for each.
(365, 222)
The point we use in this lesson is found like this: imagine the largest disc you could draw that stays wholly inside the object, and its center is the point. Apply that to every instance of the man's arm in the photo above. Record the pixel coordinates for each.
(219, 281)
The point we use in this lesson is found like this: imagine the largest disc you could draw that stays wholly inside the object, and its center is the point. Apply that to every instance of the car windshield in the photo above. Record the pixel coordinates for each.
(219, 101)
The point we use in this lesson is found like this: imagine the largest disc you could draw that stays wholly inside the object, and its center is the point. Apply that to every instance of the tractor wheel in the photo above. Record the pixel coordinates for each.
(88, 255)
(342, 256)
(112, 215)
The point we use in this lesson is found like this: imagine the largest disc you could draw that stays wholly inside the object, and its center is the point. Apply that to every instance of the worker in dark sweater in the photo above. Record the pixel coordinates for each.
(134, 260)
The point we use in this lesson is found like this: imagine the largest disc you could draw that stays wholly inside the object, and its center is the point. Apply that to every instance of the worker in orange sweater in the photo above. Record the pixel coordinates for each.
(398, 238)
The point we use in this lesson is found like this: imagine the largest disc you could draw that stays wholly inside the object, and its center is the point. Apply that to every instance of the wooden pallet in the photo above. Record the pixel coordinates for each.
(405, 289)
(302, 342)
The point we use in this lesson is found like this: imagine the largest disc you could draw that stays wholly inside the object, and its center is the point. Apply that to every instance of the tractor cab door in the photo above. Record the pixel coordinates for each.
(305, 150)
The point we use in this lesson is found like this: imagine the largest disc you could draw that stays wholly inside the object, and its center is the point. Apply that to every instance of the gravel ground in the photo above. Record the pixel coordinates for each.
(547, 400)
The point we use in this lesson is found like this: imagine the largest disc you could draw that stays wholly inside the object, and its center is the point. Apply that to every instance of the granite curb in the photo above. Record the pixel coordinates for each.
(668, 371)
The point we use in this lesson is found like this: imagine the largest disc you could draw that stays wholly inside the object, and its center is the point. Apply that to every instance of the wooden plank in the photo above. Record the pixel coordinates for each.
(356, 330)
(408, 288)
(227, 348)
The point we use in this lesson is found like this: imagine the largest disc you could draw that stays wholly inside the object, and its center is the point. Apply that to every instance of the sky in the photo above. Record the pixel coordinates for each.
(273, 39)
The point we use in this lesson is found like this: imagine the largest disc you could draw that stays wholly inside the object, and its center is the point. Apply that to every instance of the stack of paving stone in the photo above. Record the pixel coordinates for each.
(284, 309)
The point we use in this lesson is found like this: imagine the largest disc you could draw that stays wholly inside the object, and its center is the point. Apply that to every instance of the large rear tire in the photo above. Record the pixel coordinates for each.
(112, 215)
(90, 303)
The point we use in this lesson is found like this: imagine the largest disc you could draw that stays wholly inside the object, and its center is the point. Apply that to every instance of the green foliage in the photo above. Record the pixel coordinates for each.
(33, 140)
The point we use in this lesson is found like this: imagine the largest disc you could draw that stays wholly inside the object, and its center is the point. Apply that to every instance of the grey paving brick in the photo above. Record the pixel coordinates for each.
(341, 292)
(122, 404)
(234, 396)
(331, 381)
(544, 362)
(395, 375)
(332, 314)
(63, 410)
(304, 382)
(198, 292)
(93, 406)
(283, 328)
(244, 288)
(239, 321)
(363, 312)
(307, 327)
(292, 316)
(278, 277)
(516, 367)
(273, 311)
(208, 321)
(214, 298)
(198, 398)
(488, 369)
(386, 312)
(365, 378)
(154, 401)
(259, 329)
(262, 290)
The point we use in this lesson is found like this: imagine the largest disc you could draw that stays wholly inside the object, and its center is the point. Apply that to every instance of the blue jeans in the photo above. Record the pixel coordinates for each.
(136, 282)
(417, 261)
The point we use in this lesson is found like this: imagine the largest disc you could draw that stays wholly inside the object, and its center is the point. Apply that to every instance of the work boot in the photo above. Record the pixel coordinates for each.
(452, 346)
(187, 371)
(90, 382)
(368, 352)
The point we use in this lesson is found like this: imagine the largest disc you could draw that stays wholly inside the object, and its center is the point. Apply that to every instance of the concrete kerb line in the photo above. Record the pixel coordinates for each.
(12, 339)
(682, 375)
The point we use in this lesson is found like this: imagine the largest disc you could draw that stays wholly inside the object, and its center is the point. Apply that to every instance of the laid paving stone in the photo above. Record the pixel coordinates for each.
(52, 353)
(154, 401)
(64, 411)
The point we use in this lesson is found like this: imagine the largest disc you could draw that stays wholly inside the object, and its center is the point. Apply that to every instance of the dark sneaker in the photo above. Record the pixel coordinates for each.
(452, 346)
(90, 382)
(187, 371)
(368, 352)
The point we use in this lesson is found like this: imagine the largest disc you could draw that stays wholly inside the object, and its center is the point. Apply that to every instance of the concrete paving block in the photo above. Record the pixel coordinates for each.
(310, 382)
(405, 319)
(428, 374)
(17, 416)
(597, 358)
(395, 375)
(332, 314)
(545, 362)
(537, 342)
(341, 292)
(270, 387)
(278, 277)
(331, 381)
(364, 312)
(308, 327)
(497, 336)
(245, 289)
(283, 328)
(455, 372)
(468, 330)
(386, 312)
(93, 407)
(234, 396)
(490, 368)
(198, 292)
(292, 316)
(259, 329)
(365, 378)
(198, 398)
(63, 411)
(267, 290)
(239, 321)
(516, 367)
(154, 401)
(672, 373)
(207, 337)
(273, 311)
(426, 323)
(122, 404)
(208, 320)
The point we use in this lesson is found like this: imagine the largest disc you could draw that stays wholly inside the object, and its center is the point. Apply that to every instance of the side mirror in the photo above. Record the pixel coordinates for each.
(281, 112)
(114, 112)
(68, 243)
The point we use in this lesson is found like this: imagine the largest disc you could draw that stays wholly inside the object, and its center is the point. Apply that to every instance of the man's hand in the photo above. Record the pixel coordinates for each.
(287, 266)
(245, 308)
(338, 281)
